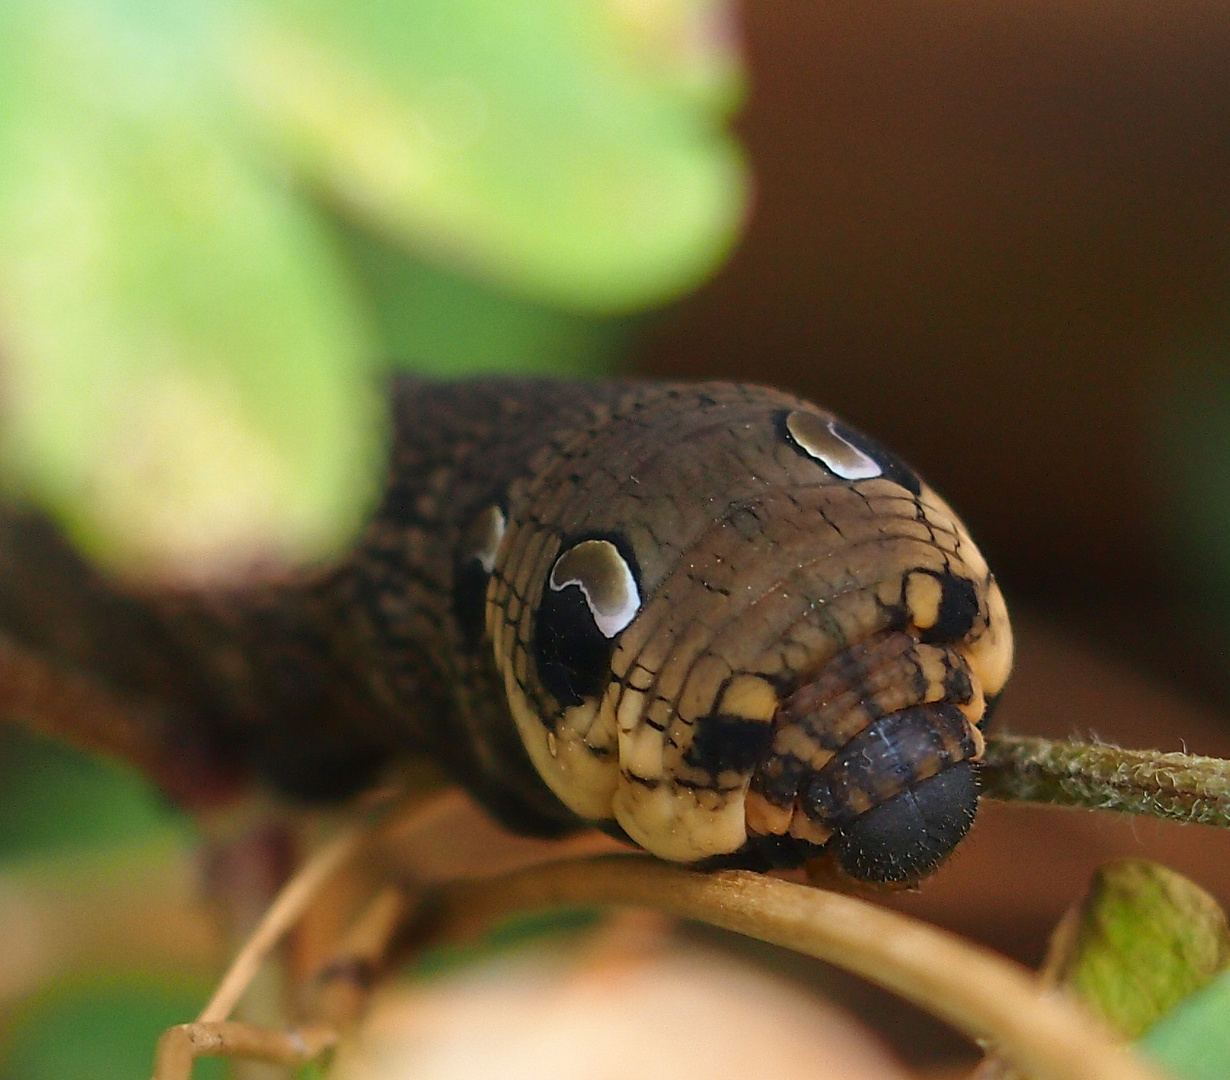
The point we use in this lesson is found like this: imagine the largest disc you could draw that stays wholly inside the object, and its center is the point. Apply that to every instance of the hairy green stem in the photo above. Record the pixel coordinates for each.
(1097, 776)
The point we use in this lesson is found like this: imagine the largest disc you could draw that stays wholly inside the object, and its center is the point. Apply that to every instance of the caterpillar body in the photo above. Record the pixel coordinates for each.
(709, 618)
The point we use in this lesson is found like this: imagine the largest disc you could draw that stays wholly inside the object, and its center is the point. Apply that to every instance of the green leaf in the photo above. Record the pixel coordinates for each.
(56, 798)
(100, 1028)
(1193, 1041)
(185, 369)
(188, 342)
(574, 153)
(1142, 940)
(440, 323)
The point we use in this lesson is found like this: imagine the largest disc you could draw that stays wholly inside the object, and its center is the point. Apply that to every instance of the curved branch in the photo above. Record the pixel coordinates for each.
(283, 913)
(990, 998)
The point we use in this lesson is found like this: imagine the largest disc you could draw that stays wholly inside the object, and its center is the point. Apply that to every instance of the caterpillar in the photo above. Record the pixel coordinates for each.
(711, 619)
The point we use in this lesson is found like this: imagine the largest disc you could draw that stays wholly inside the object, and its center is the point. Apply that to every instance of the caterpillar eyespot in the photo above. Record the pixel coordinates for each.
(711, 619)
(591, 596)
(819, 438)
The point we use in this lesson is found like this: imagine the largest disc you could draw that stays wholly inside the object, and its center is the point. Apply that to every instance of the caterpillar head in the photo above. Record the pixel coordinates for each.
(747, 633)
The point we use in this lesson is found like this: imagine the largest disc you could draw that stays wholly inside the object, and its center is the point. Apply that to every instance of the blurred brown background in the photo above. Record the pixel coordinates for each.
(995, 236)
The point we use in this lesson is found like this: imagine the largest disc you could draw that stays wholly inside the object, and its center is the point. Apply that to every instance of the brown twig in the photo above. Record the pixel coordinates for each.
(1096, 776)
(213, 1034)
(181, 1045)
(344, 983)
(63, 704)
(991, 999)
(285, 911)
(987, 997)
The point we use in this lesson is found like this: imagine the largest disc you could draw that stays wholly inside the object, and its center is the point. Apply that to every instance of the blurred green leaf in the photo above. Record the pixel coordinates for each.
(437, 322)
(219, 218)
(58, 798)
(573, 153)
(104, 1030)
(1193, 1041)
(185, 376)
(189, 361)
(1142, 940)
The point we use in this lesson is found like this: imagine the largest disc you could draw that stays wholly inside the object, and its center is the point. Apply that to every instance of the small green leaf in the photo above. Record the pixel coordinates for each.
(444, 324)
(1142, 940)
(1193, 1041)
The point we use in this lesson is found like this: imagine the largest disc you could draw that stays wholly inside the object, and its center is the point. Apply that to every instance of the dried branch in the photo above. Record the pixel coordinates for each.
(1096, 776)
(52, 701)
(341, 988)
(285, 911)
(180, 1046)
(360, 950)
(989, 998)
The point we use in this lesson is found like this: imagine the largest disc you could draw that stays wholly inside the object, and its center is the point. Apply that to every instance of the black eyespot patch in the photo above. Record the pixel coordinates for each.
(591, 594)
